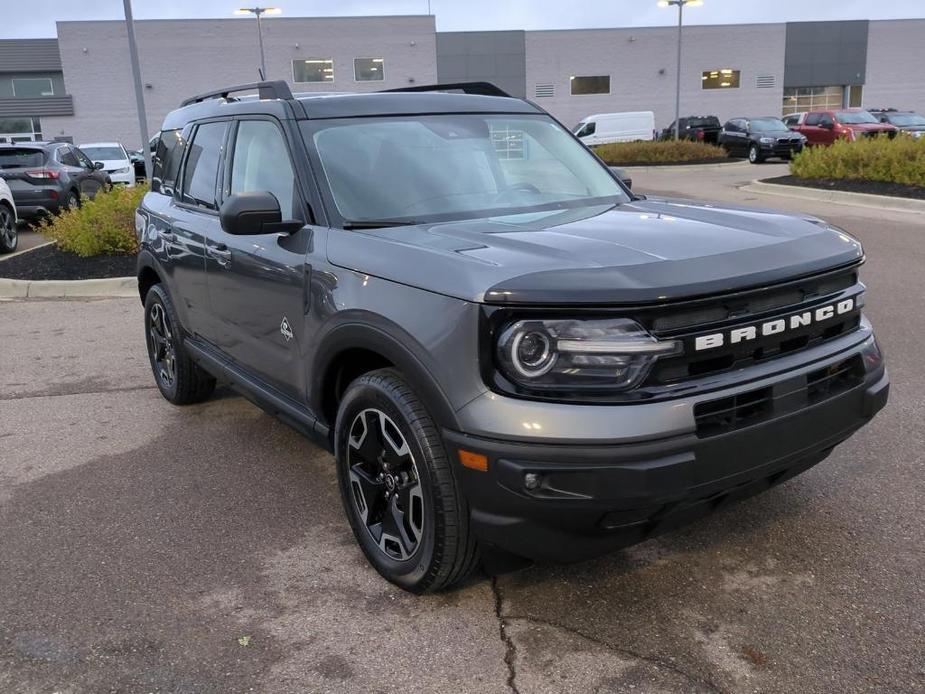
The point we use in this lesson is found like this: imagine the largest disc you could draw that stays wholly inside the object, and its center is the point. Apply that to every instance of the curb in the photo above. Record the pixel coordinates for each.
(68, 289)
(879, 202)
(685, 167)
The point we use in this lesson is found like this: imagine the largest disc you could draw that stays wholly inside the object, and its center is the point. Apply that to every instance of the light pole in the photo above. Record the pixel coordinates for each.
(257, 11)
(677, 97)
(139, 94)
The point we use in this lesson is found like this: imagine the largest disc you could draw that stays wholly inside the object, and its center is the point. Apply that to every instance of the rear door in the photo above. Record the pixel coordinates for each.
(258, 283)
(81, 170)
(193, 221)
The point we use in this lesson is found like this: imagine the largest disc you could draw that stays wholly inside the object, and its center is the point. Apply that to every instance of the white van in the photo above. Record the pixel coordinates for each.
(604, 128)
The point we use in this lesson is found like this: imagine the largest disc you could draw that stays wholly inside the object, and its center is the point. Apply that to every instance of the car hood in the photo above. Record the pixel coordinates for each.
(867, 127)
(644, 251)
(111, 164)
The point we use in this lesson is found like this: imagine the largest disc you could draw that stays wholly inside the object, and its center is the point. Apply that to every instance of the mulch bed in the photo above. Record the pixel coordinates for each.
(51, 263)
(895, 190)
(714, 160)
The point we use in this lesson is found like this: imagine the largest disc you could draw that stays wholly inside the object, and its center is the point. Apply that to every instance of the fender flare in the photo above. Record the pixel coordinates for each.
(391, 342)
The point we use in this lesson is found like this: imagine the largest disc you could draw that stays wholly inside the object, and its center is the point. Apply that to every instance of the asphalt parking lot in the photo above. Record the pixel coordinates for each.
(145, 548)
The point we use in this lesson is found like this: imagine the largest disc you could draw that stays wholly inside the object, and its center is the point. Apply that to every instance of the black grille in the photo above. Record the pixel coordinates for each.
(750, 308)
(720, 416)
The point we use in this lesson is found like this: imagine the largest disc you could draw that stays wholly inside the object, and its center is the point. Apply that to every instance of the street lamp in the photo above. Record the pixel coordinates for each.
(677, 99)
(257, 11)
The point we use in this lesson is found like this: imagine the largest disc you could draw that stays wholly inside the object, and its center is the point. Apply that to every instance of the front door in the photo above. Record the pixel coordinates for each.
(257, 281)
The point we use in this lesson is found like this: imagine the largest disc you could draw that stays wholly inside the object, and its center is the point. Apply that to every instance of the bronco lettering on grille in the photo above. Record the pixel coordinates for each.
(773, 327)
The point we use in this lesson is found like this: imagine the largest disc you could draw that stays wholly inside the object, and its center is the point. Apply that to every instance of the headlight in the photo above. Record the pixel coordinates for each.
(122, 170)
(767, 140)
(568, 354)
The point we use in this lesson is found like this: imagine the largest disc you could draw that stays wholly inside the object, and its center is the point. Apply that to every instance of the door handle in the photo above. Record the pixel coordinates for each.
(222, 254)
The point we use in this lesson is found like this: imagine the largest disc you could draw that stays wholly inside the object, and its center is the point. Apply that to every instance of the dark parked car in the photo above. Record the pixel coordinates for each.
(760, 138)
(824, 127)
(505, 349)
(906, 121)
(696, 128)
(46, 177)
(138, 161)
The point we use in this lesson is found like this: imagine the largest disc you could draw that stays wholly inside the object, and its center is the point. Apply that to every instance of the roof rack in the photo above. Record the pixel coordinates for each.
(481, 88)
(270, 89)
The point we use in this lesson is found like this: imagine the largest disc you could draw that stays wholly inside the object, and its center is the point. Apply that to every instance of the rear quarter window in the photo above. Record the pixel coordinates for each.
(167, 156)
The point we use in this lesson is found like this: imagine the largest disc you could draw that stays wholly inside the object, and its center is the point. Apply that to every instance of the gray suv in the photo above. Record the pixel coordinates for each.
(510, 355)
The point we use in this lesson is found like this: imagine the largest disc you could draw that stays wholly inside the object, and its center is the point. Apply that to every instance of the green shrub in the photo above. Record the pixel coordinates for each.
(102, 226)
(628, 153)
(900, 160)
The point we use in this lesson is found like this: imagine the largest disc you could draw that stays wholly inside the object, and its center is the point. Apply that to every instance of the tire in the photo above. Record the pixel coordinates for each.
(9, 237)
(72, 201)
(386, 443)
(754, 155)
(178, 378)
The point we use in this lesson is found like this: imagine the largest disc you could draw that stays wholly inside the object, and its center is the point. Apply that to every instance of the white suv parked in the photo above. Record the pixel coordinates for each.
(8, 235)
(115, 161)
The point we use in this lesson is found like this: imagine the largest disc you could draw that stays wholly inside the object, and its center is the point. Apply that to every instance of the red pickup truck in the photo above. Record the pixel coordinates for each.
(824, 127)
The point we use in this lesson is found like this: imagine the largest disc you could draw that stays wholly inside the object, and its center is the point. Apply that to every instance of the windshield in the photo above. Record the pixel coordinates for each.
(104, 153)
(906, 119)
(21, 158)
(414, 169)
(766, 125)
(703, 122)
(855, 117)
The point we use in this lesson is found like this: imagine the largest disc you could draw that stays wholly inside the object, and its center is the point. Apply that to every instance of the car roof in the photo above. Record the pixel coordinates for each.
(31, 144)
(318, 106)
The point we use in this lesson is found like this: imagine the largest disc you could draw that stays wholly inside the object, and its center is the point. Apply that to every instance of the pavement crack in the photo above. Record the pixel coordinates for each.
(510, 649)
(65, 392)
(656, 661)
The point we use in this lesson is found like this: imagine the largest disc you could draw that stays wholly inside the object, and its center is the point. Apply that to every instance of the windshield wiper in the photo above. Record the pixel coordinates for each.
(378, 223)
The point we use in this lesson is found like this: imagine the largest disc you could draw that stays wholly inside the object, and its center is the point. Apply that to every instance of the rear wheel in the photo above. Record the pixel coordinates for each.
(178, 378)
(72, 200)
(754, 154)
(398, 488)
(9, 238)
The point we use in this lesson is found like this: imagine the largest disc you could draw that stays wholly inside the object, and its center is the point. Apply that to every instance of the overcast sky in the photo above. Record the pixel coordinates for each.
(36, 18)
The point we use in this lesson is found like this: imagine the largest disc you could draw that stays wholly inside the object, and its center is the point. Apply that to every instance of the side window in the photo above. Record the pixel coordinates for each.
(826, 120)
(261, 163)
(67, 157)
(813, 119)
(201, 172)
(83, 159)
(167, 158)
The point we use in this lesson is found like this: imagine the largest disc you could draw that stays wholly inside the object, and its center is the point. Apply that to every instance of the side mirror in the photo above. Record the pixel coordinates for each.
(97, 165)
(253, 213)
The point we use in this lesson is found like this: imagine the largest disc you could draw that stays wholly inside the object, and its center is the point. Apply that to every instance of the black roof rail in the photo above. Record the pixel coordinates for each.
(481, 88)
(270, 89)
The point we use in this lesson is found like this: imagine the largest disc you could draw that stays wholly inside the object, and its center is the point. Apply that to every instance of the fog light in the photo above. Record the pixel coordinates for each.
(532, 481)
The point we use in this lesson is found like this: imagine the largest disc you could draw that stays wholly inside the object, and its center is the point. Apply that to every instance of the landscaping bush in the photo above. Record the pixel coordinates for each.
(670, 151)
(102, 226)
(900, 160)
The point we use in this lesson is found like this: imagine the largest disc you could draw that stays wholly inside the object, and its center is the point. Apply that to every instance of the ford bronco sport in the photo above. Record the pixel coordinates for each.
(508, 353)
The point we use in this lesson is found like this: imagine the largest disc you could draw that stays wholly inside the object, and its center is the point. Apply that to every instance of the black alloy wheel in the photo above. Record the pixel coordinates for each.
(9, 238)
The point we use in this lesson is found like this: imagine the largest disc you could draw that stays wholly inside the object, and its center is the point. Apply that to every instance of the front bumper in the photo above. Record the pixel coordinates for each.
(596, 498)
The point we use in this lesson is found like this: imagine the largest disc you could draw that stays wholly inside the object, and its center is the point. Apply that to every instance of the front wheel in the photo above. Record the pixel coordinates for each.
(754, 154)
(9, 238)
(398, 488)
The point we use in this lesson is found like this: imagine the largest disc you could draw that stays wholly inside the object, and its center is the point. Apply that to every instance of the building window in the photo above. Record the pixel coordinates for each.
(33, 86)
(854, 96)
(720, 79)
(596, 84)
(20, 130)
(800, 99)
(368, 69)
(313, 70)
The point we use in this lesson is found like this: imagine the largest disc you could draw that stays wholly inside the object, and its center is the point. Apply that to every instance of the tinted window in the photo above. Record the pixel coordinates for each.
(585, 129)
(82, 159)
(261, 163)
(201, 173)
(813, 119)
(16, 158)
(167, 156)
(766, 125)
(598, 84)
(826, 119)
(368, 69)
(67, 157)
(700, 122)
